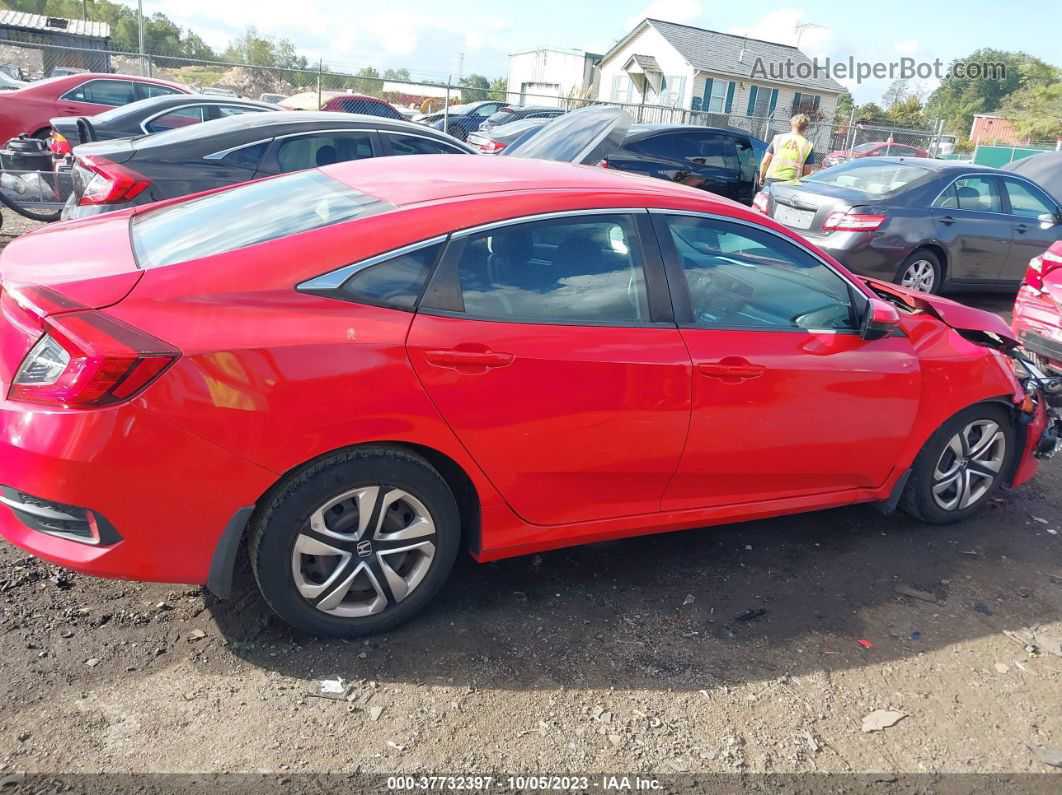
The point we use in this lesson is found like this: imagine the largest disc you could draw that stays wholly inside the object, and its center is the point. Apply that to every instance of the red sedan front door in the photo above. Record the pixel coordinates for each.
(788, 400)
(541, 346)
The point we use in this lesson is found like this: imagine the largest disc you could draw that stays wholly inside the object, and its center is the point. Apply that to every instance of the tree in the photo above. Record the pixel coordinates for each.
(845, 106)
(895, 94)
(870, 113)
(474, 88)
(958, 98)
(396, 74)
(906, 113)
(1035, 109)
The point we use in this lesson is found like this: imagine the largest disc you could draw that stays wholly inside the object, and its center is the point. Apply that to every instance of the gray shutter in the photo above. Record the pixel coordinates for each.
(752, 101)
(707, 103)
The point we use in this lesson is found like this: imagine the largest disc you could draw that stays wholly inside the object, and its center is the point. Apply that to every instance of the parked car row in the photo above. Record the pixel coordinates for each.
(363, 368)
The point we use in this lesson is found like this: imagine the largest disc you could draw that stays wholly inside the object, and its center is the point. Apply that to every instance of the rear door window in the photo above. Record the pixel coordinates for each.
(706, 149)
(246, 215)
(416, 145)
(660, 146)
(235, 110)
(322, 149)
(103, 92)
(181, 117)
(575, 270)
(153, 90)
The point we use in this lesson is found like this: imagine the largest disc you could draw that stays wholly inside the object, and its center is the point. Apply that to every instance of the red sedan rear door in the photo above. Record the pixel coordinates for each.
(788, 399)
(550, 349)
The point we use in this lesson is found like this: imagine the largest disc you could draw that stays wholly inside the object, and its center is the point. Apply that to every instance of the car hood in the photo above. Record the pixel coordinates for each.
(959, 316)
(585, 136)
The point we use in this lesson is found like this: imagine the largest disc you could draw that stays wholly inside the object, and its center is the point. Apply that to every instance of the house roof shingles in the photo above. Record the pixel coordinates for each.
(712, 51)
(22, 20)
(647, 62)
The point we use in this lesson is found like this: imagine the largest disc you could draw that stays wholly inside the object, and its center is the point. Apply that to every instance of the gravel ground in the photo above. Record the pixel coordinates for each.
(619, 657)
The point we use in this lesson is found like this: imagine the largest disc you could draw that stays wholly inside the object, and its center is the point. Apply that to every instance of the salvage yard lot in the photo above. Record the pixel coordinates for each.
(627, 656)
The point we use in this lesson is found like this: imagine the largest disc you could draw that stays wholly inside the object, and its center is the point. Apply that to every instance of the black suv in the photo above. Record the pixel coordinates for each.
(719, 160)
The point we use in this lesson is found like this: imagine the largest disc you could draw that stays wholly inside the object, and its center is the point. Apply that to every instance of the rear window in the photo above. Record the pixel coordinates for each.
(870, 177)
(252, 213)
(501, 117)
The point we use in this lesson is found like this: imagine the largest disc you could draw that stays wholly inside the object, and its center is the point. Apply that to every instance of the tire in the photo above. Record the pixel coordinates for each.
(923, 270)
(366, 496)
(961, 466)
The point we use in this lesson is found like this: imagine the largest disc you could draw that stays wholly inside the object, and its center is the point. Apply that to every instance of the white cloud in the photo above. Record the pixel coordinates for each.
(907, 47)
(782, 26)
(680, 11)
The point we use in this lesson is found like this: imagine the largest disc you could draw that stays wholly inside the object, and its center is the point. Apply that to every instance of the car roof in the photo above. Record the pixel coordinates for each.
(651, 129)
(322, 119)
(405, 181)
(927, 163)
(81, 77)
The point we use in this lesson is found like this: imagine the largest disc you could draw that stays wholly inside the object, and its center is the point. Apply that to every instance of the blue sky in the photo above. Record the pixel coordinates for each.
(426, 36)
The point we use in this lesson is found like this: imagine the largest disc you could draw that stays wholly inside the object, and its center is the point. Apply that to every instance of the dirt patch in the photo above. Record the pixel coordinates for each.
(760, 647)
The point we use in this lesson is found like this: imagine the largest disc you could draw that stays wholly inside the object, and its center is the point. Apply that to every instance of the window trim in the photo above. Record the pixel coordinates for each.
(160, 114)
(223, 153)
(1003, 197)
(131, 83)
(334, 279)
(658, 299)
(680, 296)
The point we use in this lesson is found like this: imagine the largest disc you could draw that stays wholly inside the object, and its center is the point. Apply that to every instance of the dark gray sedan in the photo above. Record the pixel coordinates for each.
(925, 224)
(113, 175)
(153, 115)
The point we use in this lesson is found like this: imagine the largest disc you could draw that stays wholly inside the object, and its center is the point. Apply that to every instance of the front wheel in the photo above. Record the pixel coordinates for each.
(356, 543)
(961, 466)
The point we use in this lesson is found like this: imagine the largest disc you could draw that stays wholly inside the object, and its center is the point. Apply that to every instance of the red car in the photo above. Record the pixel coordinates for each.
(367, 367)
(29, 109)
(873, 149)
(1037, 316)
(342, 102)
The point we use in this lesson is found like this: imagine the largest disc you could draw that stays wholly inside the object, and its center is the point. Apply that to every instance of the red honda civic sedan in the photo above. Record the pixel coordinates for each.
(367, 367)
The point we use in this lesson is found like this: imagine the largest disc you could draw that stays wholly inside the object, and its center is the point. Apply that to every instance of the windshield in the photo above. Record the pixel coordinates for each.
(245, 215)
(869, 176)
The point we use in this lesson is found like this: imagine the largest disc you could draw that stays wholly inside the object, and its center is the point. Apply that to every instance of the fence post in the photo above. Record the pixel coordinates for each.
(446, 107)
(320, 69)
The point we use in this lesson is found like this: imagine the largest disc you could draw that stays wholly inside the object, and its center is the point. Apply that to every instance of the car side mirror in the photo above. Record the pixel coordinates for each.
(879, 321)
(1047, 220)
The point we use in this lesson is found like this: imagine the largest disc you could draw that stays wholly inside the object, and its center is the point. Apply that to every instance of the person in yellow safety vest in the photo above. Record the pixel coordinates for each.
(790, 154)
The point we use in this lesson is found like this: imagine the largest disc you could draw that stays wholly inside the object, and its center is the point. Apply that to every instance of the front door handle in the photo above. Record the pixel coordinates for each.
(947, 219)
(731, 369)
(468, 361)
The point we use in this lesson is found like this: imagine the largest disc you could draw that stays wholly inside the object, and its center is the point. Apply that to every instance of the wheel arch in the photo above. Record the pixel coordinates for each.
(233, 537)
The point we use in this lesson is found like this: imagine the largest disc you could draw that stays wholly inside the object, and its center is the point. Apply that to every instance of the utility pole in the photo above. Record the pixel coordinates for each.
(460, 66)
(140, 26)
(320, 69)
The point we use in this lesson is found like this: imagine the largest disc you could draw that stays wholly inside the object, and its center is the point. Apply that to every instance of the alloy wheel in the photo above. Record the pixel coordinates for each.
(969, 465)
(363, 551)
(920, 275)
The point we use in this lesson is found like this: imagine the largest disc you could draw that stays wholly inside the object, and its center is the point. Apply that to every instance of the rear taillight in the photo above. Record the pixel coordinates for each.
(60, 146)
(759, 202)
(86, 359)
(841, 221)
(492, 147)
(1040, 266)
(107, 182)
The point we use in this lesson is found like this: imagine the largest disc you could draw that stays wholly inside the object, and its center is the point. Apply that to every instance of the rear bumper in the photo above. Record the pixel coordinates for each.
(166, 495)
(871, 255)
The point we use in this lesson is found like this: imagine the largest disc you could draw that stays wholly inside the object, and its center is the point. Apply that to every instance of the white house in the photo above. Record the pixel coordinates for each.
(544, 76)
(736, 79)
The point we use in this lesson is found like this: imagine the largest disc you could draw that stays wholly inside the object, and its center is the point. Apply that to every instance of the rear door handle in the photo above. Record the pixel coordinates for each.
(468, 361)
(731, 369)
(1021, 228)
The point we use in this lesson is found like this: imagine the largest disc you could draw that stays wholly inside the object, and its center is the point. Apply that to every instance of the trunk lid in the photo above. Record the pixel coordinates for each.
(801, 207)
(89, 261)
(117, 151)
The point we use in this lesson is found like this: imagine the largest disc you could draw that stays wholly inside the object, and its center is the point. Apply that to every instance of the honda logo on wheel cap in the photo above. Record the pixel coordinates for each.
(364, 549)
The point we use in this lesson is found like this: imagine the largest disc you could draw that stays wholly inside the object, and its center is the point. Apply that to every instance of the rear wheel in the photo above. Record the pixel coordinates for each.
(356, 543)
(961, 466)
(921, 271)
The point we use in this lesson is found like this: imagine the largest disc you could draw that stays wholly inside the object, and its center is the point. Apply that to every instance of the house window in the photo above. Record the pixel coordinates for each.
(622, 88)
(762, 101)
(805, 103)
(672, 89)
(718, 96)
